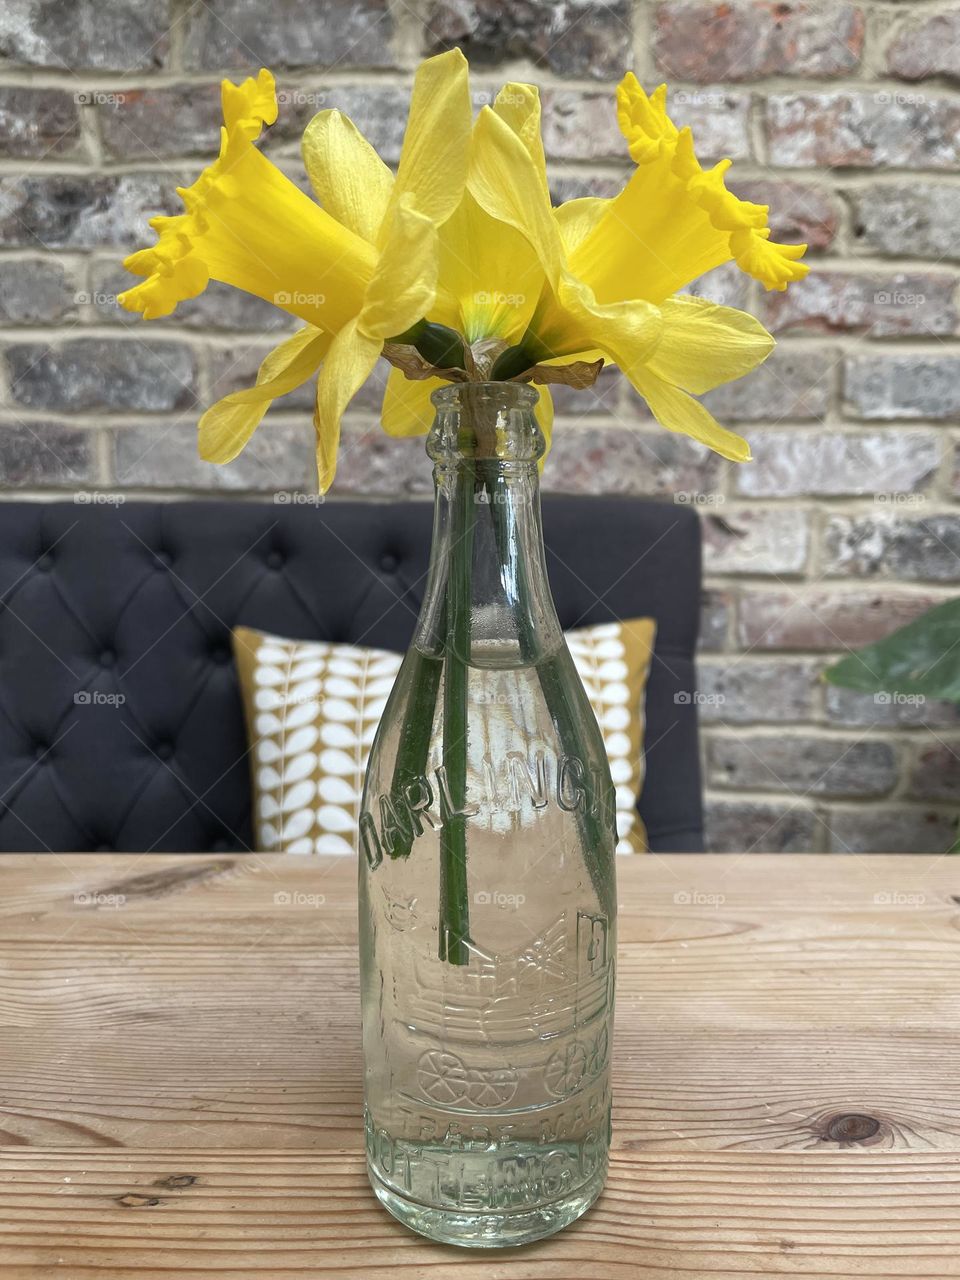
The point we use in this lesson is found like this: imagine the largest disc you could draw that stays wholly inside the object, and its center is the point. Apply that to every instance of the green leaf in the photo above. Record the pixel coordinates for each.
(921, 658)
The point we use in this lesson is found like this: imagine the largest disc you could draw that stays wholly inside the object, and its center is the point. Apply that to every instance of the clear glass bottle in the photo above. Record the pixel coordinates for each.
(487, 885)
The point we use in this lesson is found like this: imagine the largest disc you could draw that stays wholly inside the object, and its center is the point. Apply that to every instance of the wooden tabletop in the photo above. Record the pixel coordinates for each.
(180, 1075)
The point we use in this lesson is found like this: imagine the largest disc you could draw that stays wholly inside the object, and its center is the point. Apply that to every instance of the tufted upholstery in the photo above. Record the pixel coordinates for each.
(120, 717)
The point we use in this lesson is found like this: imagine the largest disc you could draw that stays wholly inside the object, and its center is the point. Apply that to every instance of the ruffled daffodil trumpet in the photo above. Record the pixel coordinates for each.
(460, 268)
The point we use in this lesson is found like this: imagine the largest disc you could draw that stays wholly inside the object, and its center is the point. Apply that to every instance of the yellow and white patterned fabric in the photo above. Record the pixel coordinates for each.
(312, 709)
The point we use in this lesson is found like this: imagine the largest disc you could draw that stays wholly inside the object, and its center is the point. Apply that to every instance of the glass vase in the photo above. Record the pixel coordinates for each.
(487, 885)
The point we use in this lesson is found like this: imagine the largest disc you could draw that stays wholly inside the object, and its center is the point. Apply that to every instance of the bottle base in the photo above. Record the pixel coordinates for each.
(487, 1230)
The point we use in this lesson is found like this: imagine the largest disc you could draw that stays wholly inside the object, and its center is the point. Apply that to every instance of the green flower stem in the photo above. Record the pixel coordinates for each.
(554, 681)
(454, 898)
(414, 747)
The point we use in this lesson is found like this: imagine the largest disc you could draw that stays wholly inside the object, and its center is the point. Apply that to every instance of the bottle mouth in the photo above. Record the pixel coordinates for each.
(502, 395)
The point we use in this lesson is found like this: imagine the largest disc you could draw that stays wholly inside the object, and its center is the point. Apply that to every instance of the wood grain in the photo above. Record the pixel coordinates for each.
(786, 1071)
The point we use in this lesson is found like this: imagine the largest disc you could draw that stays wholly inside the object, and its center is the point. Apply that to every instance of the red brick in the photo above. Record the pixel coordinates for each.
(881, 306)
(863, 130)
(927, 47)
(799, 213)
(827, 620)
(697, 40)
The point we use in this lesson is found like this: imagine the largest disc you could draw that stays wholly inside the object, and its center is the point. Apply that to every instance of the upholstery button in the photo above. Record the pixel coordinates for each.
(220, 655)
(45, 563)
(389, 562)
(40, 749)
(104, 848)
(275, 560)
(162, 559)
(163, 750)
(107, 658)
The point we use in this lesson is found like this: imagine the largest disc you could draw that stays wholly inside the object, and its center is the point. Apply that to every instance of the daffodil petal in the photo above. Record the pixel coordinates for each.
(227, 425)
(349, 362)
(404, 282)
(518, 105)
(491, 270)
(505, 181)
(704, 344)
(350, 180)
(544, 415)
(577, 219)
(407, 409)
(677, 411)
(436, 145)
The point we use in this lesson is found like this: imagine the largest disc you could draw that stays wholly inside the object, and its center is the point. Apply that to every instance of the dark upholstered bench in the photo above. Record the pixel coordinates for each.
(120, 717)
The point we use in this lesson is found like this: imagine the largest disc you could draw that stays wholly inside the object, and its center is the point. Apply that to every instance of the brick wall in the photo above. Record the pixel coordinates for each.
(844, 117)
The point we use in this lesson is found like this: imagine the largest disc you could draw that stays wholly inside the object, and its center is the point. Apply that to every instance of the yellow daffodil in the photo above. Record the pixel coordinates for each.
(611, 268)
(359, 267)
(459, 268)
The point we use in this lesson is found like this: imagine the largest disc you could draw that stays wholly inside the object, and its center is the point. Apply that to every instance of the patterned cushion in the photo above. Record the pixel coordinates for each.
(312, 709)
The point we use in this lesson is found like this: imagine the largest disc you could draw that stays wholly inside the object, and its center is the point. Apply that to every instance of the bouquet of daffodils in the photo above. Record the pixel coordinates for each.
(458, 267)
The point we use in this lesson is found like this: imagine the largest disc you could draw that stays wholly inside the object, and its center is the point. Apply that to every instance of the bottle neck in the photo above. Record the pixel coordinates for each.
(487, 535)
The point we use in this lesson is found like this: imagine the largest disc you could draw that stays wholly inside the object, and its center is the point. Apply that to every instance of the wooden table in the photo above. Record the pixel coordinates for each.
(180, 1075)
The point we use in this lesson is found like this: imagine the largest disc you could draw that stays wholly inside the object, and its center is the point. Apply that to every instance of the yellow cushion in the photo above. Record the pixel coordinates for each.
(312, 709)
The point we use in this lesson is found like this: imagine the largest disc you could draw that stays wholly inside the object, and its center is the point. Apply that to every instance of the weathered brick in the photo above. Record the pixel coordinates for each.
(575, 185)
(95, 35)
(746, 826)
(906, 386)
(936, 773)
(927, 47)
(716, 607)
(37, 122)
(379, 112)
(726, 285)
(917, 220)
(102, 373)
(804, 764)
(861, 130)
(817, 619)
(235, 368)
(581, 38)
(44, 453)
(894, 546)
(154, 123)
(791, 463)
(601, 398)
(855, 709)
(218, 307)
(79, 212)
(298, 33)
(373, 464)
(792, 385)
(764, 540)
(743, 691)
(35, 291)
(707, 40)
(880, 305)
(582, 125)
(799, 213)
(279, 458)
(867, 829)
(587, 459)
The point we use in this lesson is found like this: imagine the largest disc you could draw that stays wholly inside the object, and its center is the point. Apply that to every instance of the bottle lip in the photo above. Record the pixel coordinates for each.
(504, 394)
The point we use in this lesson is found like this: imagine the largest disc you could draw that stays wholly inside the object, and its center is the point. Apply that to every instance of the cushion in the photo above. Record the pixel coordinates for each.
(312, 709)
